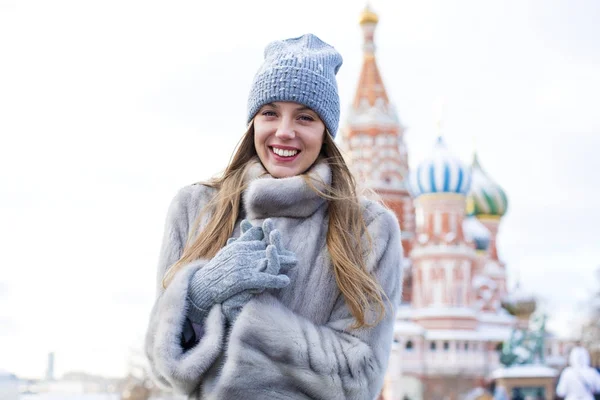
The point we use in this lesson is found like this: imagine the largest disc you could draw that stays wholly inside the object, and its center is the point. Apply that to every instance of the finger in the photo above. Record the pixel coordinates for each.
(241, 246)
(287, 258)
(286, 253)
(254, 233)
(262, 281)
(276, 281)
(263, 265)
(245, 226)
(273, 265)
(250, 284)
(287, 263)
(275, 239)
(240, 292)
(249, 259)
(241, 297)
(246, 295)
(267, 227)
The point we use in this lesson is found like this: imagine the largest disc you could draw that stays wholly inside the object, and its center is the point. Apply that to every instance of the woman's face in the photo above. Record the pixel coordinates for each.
(288, 138)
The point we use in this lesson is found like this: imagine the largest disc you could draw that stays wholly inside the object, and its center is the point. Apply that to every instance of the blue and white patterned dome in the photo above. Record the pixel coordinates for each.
(442, 172)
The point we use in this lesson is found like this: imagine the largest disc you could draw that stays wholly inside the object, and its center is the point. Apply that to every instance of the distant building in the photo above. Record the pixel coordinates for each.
(9, 386)
(50, 367)
(454, 314)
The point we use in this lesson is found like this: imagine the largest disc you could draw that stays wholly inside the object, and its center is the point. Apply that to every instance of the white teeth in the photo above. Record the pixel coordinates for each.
(284, 153)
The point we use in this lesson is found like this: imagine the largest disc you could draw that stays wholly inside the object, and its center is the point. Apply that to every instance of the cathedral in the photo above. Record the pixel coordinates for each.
(457, 309)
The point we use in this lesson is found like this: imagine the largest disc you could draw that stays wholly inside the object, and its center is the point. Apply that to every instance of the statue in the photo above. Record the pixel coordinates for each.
(526, 346)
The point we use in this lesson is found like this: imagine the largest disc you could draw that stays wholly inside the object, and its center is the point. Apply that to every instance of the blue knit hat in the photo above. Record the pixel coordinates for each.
(301, 70)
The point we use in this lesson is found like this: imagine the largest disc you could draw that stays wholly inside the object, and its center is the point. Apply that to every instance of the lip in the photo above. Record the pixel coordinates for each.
(281, 159)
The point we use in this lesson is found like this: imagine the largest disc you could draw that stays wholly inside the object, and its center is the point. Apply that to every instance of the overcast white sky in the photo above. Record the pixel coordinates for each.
(108, 107)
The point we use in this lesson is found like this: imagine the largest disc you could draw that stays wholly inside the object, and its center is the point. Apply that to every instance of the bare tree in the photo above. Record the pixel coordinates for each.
(590, 332)
(138, 385)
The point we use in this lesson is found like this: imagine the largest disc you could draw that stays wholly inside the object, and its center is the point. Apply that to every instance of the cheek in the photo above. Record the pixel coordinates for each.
(316, 144)
(259, 140)
(256, 142)
(317, 141)
(259, 146)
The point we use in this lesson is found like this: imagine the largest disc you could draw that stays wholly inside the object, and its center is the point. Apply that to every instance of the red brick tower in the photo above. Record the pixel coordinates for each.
(373, 139)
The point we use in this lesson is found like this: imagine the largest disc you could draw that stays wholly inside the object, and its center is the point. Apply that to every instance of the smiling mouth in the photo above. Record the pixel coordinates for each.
(284, 152)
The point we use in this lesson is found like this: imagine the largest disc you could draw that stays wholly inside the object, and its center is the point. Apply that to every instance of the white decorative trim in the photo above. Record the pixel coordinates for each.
(525, 371)
(382, 115)
(444, 312)
(497, 318)
(442, 249)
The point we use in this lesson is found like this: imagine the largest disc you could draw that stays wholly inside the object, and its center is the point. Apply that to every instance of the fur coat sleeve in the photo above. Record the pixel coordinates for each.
(170, 365)
(294, 358)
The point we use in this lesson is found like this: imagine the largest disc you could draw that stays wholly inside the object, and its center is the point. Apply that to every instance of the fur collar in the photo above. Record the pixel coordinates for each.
(290, 197)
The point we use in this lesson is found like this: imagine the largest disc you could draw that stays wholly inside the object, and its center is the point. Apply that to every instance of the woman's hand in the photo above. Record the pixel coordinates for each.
(278, 261)
(239, 266)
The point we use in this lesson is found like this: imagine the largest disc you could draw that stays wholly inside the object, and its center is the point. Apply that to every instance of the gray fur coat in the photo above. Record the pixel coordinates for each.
(295, 343)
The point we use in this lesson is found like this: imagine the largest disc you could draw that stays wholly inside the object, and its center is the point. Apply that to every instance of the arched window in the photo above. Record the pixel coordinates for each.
(466, 346)
(446, 346)
(432, 346)
(409, 345)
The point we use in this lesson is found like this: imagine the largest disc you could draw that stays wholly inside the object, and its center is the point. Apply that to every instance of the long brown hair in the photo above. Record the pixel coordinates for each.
(346, 226)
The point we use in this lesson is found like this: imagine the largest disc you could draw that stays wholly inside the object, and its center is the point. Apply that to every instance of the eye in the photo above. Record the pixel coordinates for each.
(268, 113)
(306, 117)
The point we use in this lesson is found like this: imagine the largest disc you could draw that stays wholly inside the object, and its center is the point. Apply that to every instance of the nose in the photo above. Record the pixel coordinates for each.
(285, 130)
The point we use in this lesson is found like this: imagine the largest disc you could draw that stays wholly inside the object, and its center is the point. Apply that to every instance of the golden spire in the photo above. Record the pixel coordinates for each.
(368, 16)
(370, 84)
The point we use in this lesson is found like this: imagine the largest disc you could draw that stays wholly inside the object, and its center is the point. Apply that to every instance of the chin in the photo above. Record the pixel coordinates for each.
(278, 172)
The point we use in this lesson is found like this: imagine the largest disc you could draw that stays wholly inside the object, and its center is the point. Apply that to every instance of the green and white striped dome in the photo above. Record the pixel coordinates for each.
(486, 197)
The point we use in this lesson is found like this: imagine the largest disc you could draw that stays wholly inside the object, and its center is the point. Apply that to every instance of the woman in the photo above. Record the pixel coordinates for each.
(301, 304)
(579, 381)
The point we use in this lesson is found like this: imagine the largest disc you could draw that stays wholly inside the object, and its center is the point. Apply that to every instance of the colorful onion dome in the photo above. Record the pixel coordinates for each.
(477, 232)
(486, 197)
(442, 172)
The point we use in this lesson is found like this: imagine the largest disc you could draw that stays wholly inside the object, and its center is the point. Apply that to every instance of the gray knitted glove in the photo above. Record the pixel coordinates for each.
(235, 268)
(278, 261)
(273, 236)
